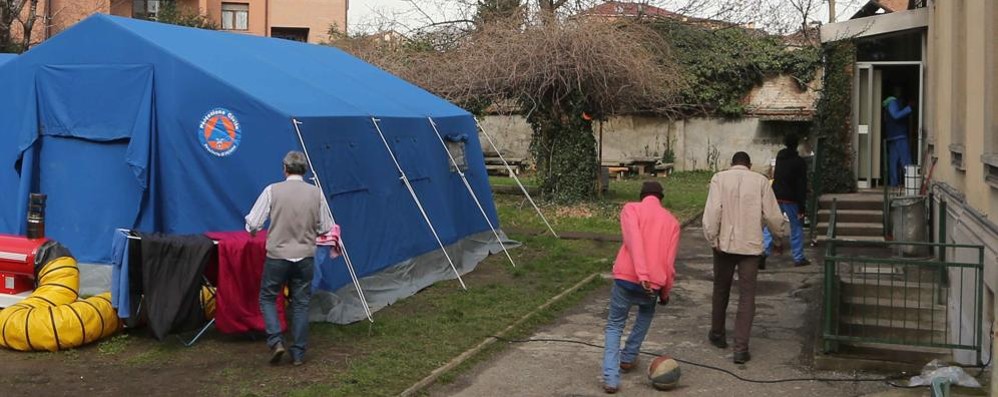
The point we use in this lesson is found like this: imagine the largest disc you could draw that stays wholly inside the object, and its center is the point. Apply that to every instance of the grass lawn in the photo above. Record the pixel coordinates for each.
(407, 341)
(685, 194)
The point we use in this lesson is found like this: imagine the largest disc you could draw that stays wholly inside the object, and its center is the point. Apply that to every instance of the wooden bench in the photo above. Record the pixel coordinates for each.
(663, 169)
(620, 172)
(495, 166)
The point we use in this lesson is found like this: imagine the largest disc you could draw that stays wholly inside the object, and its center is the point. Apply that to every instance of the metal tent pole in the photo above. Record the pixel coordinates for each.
(513, 174)
(471, 191)
(325, 203)
(419, 204)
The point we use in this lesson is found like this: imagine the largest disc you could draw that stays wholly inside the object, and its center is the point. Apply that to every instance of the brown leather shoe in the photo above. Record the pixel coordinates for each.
(627, 367)
(610, 389)
(719, 341)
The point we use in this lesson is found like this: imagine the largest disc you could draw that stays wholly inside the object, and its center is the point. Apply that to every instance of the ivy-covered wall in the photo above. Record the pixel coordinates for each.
(720, 66)
(833, 120)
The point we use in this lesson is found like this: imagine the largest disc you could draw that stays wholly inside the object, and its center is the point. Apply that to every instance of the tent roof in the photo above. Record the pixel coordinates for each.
(296, 79)
(4, 58)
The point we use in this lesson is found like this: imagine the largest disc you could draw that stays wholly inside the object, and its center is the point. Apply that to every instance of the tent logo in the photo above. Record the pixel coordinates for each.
(219, 132)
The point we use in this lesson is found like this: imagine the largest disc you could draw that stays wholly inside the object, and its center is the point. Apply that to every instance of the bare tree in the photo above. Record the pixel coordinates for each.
(24, 23)
(488, 11)
(562, 75)
(17, 16)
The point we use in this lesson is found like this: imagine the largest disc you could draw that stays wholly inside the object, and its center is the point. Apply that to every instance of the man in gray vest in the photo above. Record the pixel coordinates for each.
(297, 213)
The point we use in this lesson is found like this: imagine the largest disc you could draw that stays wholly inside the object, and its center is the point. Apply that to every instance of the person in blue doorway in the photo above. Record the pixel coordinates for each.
(896, 125)
(790, 187)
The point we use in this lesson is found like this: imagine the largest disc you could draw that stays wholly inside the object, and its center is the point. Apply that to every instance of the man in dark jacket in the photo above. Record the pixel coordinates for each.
(790, 187)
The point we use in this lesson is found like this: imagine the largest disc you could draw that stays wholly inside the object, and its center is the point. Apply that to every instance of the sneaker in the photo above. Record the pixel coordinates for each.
(627, 367)
(742, 357)
(297, 362)
(804, 262)
(610, 389)
(276, 353)
(719, 341)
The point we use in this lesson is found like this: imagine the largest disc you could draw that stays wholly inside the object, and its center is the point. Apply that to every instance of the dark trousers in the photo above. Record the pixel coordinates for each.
(725, 265)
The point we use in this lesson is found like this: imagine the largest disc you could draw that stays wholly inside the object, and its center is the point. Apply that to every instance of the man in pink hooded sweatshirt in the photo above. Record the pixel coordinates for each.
(643, 274)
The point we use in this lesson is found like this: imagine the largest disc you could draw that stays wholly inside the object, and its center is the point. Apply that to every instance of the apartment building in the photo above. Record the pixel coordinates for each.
(301, 20)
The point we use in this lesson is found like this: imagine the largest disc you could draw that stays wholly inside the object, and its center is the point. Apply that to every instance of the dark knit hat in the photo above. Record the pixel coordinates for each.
(652, 187)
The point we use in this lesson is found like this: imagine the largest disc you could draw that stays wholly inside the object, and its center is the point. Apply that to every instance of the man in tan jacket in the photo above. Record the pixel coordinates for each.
(739, 204)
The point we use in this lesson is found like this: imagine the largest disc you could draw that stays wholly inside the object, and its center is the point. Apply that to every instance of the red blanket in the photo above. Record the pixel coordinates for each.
(240, 269)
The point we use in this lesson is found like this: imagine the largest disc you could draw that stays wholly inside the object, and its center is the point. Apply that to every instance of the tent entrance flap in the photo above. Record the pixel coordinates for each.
(90, 190)
(91, 152)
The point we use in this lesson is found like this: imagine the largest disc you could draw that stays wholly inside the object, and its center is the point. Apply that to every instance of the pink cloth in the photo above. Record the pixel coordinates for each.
(240, 270)
(332, 240)
(651, 240)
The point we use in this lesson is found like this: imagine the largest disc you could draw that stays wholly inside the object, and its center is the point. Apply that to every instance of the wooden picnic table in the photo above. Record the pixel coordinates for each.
(643, 165)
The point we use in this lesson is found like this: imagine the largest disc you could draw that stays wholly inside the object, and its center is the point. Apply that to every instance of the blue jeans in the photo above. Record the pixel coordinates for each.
(621, 301)
(796, 233)
(298, 276)
(898, 156)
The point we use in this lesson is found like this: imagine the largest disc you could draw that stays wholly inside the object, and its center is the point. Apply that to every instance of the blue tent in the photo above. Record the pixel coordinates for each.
(153, 127)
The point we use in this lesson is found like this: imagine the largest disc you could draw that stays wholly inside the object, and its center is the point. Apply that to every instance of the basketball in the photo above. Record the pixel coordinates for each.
(664, 373)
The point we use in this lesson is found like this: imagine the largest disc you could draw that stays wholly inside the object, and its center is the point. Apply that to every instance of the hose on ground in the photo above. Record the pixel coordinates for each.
(52, 318)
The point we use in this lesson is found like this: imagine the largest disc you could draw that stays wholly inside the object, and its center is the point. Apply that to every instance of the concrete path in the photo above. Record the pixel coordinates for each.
(781, 345)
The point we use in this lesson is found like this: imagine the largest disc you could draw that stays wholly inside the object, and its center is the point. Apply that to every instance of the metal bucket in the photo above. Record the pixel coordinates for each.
(909, 222)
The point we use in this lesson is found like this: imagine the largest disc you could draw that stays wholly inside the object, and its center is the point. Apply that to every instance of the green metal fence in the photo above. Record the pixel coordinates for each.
(876, 295)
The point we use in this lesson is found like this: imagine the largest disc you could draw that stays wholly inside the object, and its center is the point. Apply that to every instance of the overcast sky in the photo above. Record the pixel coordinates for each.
(370, 15)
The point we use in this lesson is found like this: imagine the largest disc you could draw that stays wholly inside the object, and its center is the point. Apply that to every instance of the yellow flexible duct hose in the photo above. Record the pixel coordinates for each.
(208, 301)
(52, 318)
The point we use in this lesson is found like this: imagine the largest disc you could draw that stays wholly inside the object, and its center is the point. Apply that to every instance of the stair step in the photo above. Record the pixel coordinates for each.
(853, 229)
(852, 201)
(930, 316)
(895, 324)
(916, 349)
(887, 291)
(912, 333)
(877, 270)
(864, 216)
(894, 283)
(872, 240)
(883, 357)
(893, 303)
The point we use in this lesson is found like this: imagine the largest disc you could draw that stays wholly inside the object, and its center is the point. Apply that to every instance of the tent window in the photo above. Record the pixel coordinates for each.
(456, 149)
(235, 16)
